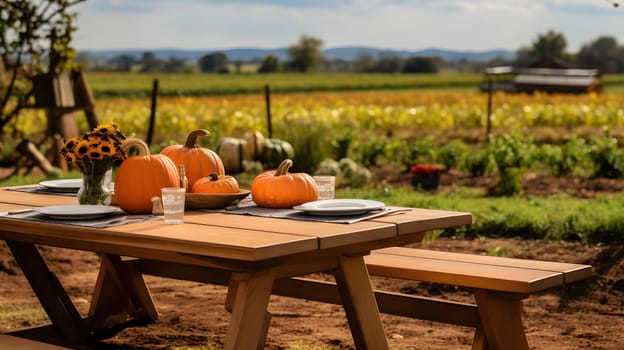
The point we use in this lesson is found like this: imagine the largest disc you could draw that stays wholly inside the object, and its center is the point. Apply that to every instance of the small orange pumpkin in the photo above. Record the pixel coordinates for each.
(140, 177)
(214, 183)
(199, 162)
(281, 189)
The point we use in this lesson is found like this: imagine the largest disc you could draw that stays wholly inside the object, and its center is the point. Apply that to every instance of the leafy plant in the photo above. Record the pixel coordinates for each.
(421, 151)
(372, 149)
(607, 157)
(563, 160)
(451, 154)
(477, 162)
(511, 153)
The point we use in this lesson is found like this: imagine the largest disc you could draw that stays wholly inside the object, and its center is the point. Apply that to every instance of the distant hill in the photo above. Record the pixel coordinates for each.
(347, 53)
(351, 53)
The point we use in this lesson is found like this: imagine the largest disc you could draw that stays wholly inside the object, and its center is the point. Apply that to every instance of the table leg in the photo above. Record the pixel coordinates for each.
(360, 304)
(50, 292)
(120, 292)
(501, 320)
(250, 301)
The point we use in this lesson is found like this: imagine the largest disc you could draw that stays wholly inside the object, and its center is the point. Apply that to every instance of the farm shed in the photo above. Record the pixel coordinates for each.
(550, 80)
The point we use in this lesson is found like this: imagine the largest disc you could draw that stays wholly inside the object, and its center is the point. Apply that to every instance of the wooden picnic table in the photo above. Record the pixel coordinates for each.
(250, 252)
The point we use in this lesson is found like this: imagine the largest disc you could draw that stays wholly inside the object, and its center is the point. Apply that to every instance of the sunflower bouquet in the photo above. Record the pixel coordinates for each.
(94, 154)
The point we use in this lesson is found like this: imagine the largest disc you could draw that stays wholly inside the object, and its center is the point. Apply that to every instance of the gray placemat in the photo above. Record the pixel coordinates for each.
(42, 190)
(293, 214)
(115, 219)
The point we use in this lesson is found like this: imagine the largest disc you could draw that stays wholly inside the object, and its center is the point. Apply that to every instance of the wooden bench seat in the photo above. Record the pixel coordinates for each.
(475, 271)
(8, 342)
(499, 285)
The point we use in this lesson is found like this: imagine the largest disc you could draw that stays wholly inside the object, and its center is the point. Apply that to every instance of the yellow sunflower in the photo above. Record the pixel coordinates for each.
(70, 145)
(106, 148)
(95, 154)
(109, 129)
(82, 149)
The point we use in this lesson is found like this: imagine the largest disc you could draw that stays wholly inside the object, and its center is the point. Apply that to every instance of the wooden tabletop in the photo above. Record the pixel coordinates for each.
(219, 235)
(253, 251)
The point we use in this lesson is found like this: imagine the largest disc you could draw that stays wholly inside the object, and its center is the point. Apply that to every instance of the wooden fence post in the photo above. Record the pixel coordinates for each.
(267, 98)
(488, 130)
(84, 98)
(152, 120)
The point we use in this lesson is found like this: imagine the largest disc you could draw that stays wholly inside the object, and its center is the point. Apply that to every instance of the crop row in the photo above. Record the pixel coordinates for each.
(357, 124)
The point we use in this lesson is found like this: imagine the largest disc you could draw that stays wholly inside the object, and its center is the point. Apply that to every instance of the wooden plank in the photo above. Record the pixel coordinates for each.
(8, 342)
(326, 292)
(110, 306)
(230, 243)
(128, 278)
(34, 199)
(572, 272)
(4, 207)
(360, 304)
(246, 329)
(421, 220)
(50, 292)
(501, 320)
(329, 235)
(500, 278)
(397, 304)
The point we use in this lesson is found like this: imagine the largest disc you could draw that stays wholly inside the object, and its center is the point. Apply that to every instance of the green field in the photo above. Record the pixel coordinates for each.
(198, 84)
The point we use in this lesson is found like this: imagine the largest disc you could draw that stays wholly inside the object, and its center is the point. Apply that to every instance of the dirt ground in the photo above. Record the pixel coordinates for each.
(585, 315)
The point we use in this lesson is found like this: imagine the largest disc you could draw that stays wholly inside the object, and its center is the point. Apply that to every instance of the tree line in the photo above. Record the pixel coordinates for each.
(603, 53)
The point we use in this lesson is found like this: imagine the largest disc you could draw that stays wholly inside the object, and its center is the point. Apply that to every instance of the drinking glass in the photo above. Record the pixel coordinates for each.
(173, 204)
(326, 185)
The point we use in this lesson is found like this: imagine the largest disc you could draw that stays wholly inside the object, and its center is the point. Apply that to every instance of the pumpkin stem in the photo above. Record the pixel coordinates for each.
(213, 176)
(135, 142)
(282, 169)
(191, 139)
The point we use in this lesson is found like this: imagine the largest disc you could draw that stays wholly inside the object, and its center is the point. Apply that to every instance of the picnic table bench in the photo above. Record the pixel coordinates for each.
(256, 257)
(499, 285)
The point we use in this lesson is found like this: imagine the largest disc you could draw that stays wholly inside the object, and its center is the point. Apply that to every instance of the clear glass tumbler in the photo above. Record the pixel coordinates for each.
(326, 185)
(173, 204)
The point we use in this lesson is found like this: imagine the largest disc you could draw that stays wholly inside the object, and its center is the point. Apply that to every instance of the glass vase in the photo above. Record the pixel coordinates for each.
(95, 189)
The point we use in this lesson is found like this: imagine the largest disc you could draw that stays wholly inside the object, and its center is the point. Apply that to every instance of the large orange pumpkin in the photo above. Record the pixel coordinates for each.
(214, 183)
(281, 189)
(199, 162)
(140, 177)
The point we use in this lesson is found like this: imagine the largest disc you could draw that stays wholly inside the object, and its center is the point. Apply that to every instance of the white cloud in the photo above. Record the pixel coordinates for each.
(398, 24)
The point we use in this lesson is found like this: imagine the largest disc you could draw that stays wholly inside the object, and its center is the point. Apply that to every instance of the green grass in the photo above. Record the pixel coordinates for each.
(559, 217)
(17, 315)
(198, 84)
(613, 83)
(33, 179)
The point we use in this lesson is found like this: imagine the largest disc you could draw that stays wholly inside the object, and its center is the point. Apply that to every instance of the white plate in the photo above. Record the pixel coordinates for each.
(65, 185)
(74, 212)
(340, 206)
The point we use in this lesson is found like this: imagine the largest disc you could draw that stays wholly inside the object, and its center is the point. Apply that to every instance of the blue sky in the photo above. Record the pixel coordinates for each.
(472, 25)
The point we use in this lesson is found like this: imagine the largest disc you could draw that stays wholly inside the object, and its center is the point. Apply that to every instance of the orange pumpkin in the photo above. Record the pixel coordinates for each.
(140, 177)
(281, 189)
(199, 162)
(214, 183)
